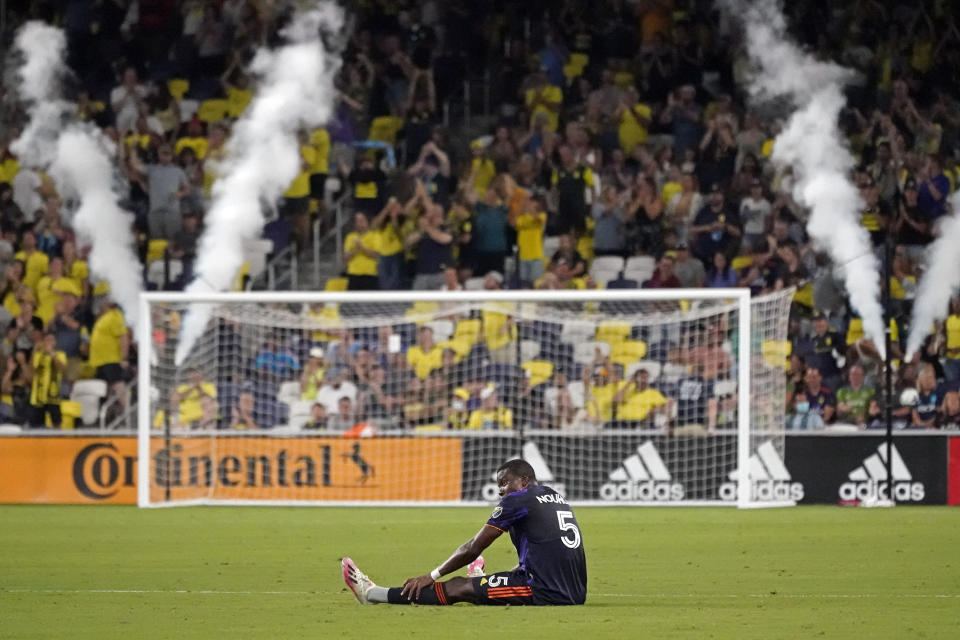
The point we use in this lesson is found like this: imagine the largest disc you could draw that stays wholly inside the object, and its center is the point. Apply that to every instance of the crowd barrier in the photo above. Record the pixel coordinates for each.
(814, 468)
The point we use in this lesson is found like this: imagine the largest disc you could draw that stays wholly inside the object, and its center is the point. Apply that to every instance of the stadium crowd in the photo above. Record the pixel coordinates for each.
(621, 151)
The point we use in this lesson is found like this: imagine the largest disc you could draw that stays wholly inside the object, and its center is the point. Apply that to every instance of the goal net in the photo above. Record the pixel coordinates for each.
(631, 396)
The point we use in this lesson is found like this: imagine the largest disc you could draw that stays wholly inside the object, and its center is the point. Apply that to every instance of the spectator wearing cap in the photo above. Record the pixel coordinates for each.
(491, 415)
(755, 212)
(689, 271)
(913, 228)
(716, 227)
(822, 349)
(311, 379)
(360, 255)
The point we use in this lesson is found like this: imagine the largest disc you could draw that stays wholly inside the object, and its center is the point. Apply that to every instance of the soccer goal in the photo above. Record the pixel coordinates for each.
(642, 397)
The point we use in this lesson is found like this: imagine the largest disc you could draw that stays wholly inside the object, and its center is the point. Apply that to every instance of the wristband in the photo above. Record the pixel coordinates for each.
(435, 574)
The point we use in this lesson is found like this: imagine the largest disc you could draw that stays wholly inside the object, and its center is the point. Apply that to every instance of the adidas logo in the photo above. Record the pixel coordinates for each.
(531, 453)
(869, 481)
(769, 478)
(642, 476)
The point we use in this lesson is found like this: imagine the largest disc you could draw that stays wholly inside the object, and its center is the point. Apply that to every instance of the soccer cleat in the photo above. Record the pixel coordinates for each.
(476, 568)
(357, 580)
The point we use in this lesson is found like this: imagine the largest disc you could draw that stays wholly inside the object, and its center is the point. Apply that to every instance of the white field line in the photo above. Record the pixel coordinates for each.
(649, 596)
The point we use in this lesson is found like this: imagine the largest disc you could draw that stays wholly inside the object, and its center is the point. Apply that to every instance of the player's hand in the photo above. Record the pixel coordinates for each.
(413, 586)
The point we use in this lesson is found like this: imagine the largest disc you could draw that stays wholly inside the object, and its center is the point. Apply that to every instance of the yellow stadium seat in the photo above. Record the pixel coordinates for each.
(178, 87)
(336, 284)
(461, 346)
(579, 60)
(69, 412)
(776, 352)
(540, 371)
(102, 288)
(213, 110)
(623, 79)
(428, 428)
(571, 72)
(385, 129)
(468, 329)
(328, 317)
(155, 250)
(626, 352)
(741, 262)
(612, 332)
(422, 312)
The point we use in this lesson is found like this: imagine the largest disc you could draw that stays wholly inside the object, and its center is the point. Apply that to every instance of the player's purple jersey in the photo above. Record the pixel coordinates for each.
(548, 541)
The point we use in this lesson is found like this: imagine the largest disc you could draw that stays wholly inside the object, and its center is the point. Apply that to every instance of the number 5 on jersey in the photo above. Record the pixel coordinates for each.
(562, 517)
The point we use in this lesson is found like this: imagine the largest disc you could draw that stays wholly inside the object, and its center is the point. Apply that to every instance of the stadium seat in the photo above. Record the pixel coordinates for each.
(776, 352)
(421, 311)
(256, 252)
(178, 87)
(69, 412)
(627, 352)
(724, 388)
(289, 392)
(550, 246)
(156, 273)
(336, 284)
(299, 413)
(540, 371)
(474, 284)
(612, 331)
(461, 346)
(638, 263)
(385, 128)
(584, 352)
(155, 250)
(529, 349)
(213, 110)
(603, 277)
(442, 329)
(652, 368)
(607, 263)
(468, 329)
(89, 393)
(576, 331)
(580, 60)
(671, 372)
(741, 262)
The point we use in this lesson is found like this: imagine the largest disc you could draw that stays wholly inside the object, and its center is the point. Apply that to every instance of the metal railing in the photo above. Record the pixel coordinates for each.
(282, 272)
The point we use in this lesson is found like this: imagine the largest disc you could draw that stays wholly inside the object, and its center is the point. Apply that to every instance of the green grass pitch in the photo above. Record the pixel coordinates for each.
(805, 572)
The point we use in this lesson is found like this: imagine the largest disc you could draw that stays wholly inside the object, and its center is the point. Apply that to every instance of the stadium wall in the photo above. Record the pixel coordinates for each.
(816, 468)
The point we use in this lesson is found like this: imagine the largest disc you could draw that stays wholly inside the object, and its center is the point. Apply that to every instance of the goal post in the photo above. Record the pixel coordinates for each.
(666, 397)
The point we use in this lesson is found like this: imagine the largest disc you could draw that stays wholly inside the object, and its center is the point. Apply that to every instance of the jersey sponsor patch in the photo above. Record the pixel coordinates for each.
(496, 512)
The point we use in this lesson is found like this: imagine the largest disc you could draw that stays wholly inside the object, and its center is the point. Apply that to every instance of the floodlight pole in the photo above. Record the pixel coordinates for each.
(888, 369)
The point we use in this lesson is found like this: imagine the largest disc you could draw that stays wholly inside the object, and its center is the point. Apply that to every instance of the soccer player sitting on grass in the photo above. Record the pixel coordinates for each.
(552, 567)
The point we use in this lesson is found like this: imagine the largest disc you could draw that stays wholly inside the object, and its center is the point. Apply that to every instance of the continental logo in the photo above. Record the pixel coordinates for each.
(99, 471)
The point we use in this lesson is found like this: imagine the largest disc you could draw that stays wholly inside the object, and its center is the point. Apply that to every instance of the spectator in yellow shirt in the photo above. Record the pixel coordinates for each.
(490, 416)
(530, 224)
(36, 263)
(389, 245)
(296, 199)
(196, 402)
(637, 400)
(634, 120)
(426, 355)
(320, 140)
(544, 98)
(47, 367)
(360, 255)
(109, 344)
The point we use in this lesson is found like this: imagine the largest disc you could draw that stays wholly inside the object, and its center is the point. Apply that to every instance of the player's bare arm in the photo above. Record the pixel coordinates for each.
(464, 555)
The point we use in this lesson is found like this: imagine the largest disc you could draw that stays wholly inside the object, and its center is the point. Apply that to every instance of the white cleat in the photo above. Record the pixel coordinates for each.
(476, 568)
(357, 580)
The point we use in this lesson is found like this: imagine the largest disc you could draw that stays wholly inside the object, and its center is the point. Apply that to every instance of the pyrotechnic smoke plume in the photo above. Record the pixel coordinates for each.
(41, 73)
(83, 169)
(294, 91)
(812, 144)
(938, 282)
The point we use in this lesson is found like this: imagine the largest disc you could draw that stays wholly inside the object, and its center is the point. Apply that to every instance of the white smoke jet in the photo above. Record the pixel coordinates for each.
(42, 48)
(83, 167)
(812, 144)
(938, 282)
(294, 91)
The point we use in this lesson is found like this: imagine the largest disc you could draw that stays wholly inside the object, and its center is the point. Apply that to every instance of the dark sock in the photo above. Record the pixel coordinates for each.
(428, 596)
